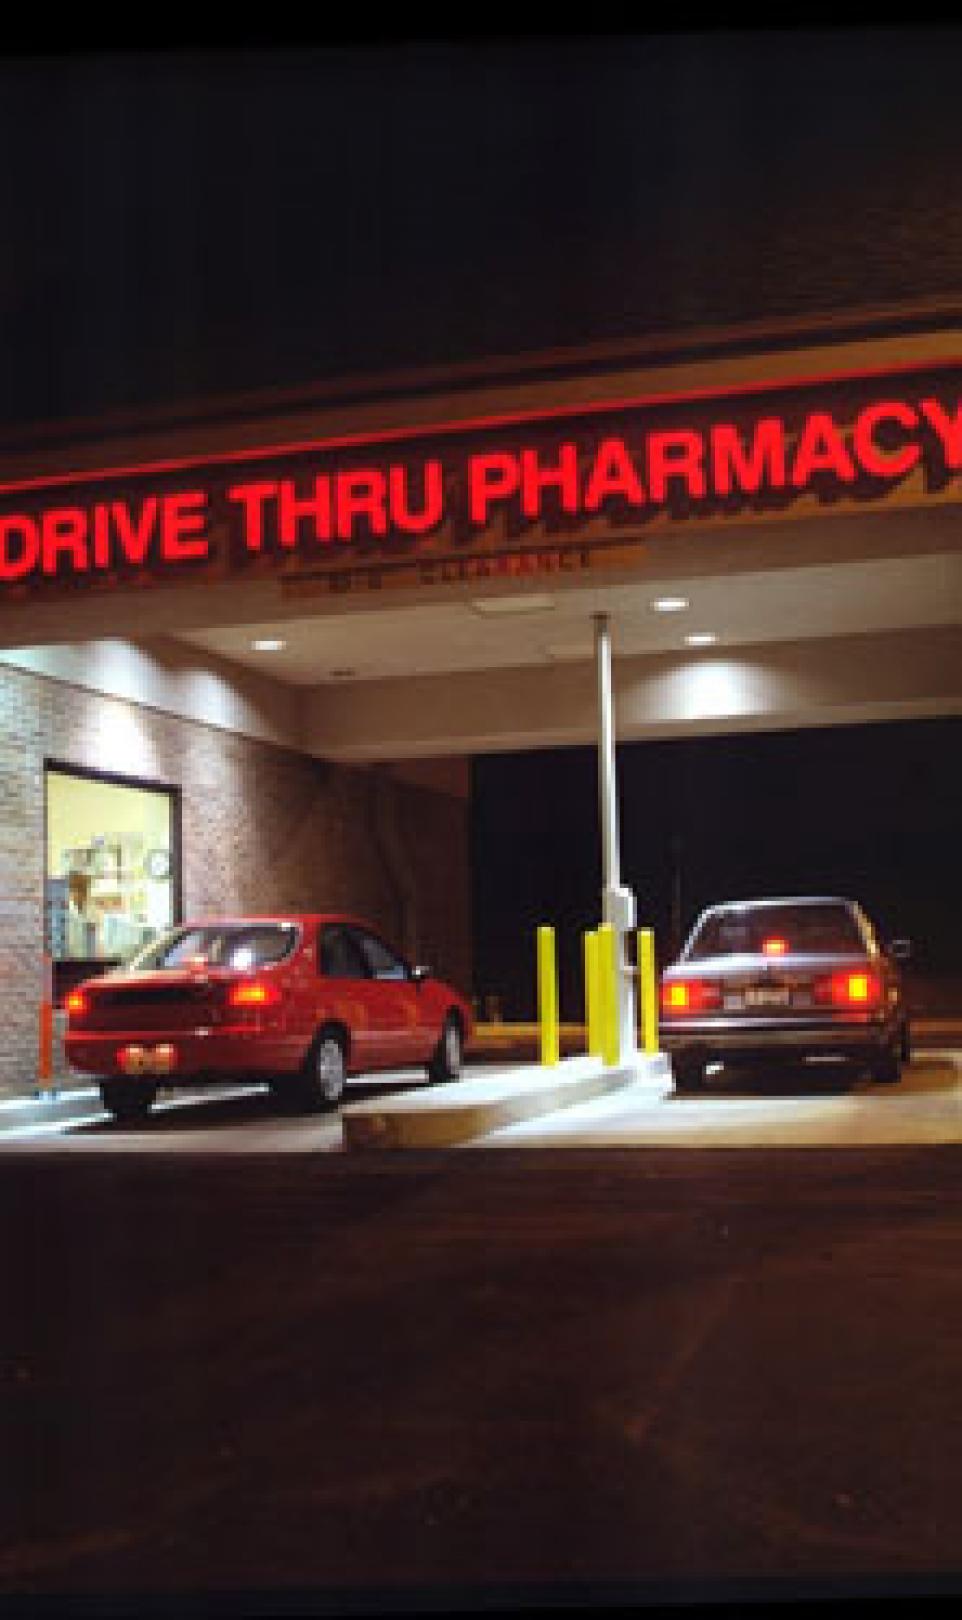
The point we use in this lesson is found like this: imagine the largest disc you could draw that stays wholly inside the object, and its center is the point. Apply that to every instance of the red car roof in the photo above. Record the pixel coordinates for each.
(251, 919)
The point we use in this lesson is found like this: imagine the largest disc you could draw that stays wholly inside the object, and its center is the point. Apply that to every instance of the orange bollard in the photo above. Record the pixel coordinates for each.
(45, 1053)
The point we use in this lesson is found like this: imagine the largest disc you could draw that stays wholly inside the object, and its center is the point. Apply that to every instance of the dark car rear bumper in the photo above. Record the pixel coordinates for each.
(735, 1038)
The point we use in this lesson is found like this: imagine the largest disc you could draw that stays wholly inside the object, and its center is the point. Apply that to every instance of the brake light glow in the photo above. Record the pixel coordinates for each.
(859, 988)
(776, 946)
(851, 988)
(253, 993)
(689, 995)
(76, 1004)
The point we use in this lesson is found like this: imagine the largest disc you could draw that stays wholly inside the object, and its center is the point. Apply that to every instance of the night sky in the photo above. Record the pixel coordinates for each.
(870, 812)
(175, 224)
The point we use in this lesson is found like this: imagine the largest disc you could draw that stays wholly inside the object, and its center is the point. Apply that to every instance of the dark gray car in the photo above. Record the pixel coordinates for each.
(785, 980)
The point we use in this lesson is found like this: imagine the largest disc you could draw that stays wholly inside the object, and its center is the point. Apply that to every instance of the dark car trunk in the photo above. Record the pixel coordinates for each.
(764, 986)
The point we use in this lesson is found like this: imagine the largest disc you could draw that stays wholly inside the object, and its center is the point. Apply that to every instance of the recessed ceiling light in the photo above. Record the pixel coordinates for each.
(268, 644)
(526, 602)
(701, 638)
(670, 604)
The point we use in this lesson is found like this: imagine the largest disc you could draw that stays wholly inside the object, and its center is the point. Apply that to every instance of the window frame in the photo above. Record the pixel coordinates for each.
(844, 908)
(406, 974)
(72, 968)
(340, 978)
(179, 931)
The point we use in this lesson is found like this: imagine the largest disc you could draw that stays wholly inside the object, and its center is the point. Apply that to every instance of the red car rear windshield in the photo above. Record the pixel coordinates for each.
(250, 946)
(818, 930)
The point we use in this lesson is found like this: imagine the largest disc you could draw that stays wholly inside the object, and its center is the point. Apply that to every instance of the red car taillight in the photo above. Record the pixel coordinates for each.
(254, 993)
(855, 987)
(77, 1005)
(689, 995)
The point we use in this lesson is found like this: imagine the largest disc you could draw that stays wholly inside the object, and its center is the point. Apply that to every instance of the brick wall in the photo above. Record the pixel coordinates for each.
(263, 828)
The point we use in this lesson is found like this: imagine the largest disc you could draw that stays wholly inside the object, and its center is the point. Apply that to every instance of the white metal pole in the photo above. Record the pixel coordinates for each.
(617, 903)
(610, 857)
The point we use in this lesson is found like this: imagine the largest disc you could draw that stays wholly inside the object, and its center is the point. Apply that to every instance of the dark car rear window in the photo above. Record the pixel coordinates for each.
(812, 929)
(253, 946)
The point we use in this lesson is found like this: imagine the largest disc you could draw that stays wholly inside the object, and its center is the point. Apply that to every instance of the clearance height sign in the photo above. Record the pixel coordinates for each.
(515, 494)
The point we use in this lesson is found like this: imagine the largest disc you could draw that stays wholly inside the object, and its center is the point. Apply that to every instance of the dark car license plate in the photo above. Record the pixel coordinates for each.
(768, 995)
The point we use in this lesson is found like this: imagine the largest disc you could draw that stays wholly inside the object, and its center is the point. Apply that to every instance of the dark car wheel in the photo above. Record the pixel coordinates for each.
(905, 1043)
(325, 1070)
(446, 1060)
(127, 1101)
(886, 1066)
(689, 1074)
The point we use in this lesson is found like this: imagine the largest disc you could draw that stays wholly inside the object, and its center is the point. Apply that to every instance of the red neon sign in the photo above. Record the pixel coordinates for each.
(624, 464)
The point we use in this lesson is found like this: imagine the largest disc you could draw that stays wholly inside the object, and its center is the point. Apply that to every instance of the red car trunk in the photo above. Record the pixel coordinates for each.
(164, 1002)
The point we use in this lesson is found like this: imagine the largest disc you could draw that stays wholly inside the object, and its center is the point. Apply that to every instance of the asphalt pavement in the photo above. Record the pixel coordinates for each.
(269, 1383)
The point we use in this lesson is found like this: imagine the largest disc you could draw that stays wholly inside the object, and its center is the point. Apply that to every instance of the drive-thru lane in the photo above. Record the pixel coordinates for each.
(777, 1110)
(241, 1119)
(414, 1375)
(790, 1110)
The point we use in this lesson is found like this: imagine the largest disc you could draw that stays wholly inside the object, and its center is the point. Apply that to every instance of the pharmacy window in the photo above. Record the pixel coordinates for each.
(112, 865)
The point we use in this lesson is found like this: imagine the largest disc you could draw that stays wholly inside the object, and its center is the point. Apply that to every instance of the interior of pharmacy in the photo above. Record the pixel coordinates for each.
(111, 866)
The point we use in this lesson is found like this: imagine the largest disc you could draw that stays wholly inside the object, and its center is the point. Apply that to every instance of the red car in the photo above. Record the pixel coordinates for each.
(299, 1001)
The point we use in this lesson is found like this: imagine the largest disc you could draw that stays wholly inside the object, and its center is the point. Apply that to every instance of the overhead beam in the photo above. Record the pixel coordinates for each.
(825, 681)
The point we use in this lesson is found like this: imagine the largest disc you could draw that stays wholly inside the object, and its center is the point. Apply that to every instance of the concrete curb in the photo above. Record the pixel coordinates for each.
(76, 1106)
(42, 1107)
(464, 1109)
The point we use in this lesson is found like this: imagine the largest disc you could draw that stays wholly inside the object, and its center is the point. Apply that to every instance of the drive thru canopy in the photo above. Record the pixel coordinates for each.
(425, 556)
(802, 481)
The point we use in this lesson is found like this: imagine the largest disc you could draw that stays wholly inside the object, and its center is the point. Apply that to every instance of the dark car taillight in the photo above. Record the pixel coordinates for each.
(852, 988)
(689, 996)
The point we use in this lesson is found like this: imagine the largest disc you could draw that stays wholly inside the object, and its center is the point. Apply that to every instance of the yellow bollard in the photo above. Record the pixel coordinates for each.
(547, 997)
(608, 980)
(647, 990)
(593, 995)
